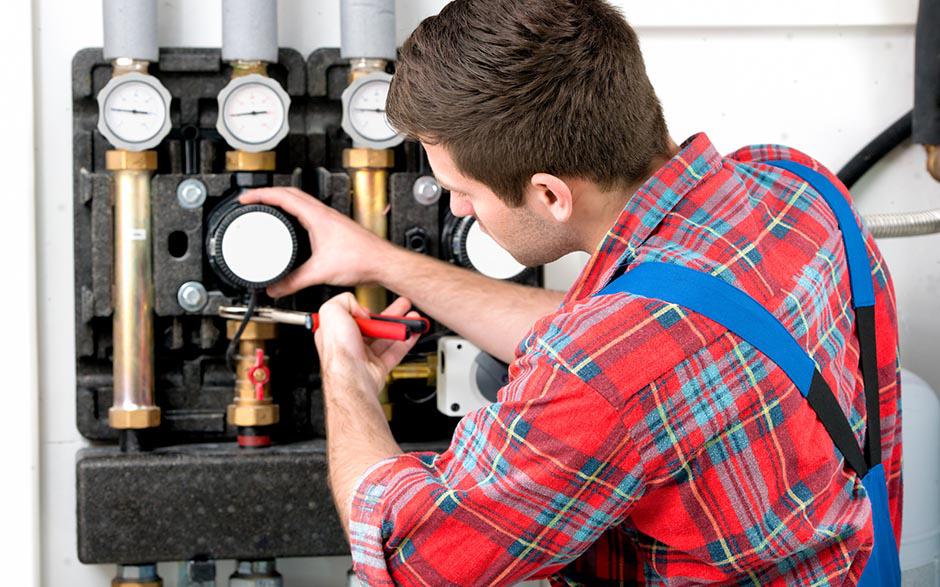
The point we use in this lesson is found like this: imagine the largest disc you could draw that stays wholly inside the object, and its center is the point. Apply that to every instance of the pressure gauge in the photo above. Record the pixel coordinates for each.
(253, 113)
(465, 243)
(134, 111)
(364, 116)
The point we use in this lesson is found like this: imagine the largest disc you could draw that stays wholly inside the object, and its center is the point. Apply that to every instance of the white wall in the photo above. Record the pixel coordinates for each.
(19, 454)
(793, 73)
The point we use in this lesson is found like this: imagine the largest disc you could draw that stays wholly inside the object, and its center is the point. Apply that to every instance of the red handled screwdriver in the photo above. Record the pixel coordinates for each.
(375, 326)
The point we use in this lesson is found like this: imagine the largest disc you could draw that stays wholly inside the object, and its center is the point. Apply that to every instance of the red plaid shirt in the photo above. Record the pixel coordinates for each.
(640, 443)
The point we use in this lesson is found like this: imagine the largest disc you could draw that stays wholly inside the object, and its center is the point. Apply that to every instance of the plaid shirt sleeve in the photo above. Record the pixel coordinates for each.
(526, 486)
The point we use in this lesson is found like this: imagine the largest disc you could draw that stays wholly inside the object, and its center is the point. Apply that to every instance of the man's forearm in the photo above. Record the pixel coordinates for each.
(357, 437)
(492, 314)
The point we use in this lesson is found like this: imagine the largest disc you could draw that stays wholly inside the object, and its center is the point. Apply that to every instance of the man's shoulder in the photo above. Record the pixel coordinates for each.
(618, 343)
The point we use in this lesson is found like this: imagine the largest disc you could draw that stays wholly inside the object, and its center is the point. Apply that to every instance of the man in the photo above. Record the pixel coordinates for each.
(636, 441)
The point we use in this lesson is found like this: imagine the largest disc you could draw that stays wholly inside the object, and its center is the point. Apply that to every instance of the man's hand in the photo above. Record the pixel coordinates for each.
(349, 361)
(343, 252)
(357, 434)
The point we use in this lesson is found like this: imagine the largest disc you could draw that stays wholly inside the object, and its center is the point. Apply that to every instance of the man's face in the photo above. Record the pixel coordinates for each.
(530, 237)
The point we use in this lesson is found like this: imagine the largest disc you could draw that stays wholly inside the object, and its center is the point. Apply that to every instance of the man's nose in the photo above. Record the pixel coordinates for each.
(459, 206)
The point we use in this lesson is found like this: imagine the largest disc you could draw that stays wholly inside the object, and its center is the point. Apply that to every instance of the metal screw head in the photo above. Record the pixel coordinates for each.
(192, 296)
(191, 193)
(426, 190)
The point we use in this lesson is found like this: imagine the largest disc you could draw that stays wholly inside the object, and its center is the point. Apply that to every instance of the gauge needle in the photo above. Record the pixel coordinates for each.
(131, 110)
(252, 113)
(369, 109)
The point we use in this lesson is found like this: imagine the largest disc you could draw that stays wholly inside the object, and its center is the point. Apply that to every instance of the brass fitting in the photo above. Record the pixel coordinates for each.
(426, 369)
(364, 66)
(123, 65)
(242, 68)
(134, 418)
(144, 575)
(933, 160)
(247, 409)
(361, 158)
(135, 583)
(245, 161)
(121, 160)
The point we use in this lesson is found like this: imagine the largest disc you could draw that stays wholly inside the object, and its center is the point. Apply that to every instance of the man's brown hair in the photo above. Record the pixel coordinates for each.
(516, 87)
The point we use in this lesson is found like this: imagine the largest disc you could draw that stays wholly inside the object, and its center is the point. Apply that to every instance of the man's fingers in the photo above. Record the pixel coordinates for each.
(379, 347)
(396, 351)
(398, 307)
(291, 200)
(348, 302)
(296, 280)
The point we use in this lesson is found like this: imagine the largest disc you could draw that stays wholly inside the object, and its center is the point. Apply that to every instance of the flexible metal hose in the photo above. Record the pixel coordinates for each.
(903, 224)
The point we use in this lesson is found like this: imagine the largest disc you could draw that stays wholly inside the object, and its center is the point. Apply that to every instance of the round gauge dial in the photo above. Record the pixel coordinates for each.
(134, 111)
(253, 113)
(467, 245)
(250, 246)
(364, 117)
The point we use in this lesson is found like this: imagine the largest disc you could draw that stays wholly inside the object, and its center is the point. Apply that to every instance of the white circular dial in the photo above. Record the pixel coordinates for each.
(364, 117)
(253, 113)
(488, 257)
(257, 247)
(134, 111)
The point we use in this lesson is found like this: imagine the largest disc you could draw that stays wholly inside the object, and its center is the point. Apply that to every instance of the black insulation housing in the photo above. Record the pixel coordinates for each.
(194, 493)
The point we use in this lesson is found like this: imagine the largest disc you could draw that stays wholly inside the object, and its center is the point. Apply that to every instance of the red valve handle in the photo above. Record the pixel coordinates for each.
(259, 367)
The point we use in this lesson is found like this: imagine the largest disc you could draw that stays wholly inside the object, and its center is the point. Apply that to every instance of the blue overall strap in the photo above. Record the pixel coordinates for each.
(863, 296)
(883, 567)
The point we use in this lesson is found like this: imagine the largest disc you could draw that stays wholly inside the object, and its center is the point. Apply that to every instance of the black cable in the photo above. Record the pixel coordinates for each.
(233, 344)
(874, 151)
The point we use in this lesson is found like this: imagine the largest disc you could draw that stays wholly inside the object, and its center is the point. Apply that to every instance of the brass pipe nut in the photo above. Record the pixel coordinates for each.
(360, 158)
(241, 68)
(245, 161)
(135, 418)
(253, 415)
(121, 160)
(254, 330)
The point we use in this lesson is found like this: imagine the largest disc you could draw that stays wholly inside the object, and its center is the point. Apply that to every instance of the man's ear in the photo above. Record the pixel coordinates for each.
(551, 196)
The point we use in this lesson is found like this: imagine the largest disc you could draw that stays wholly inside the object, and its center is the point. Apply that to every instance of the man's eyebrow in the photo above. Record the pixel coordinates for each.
(443, 185)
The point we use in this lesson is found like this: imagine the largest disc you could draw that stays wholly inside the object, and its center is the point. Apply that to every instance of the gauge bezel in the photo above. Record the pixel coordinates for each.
(113, 136)
(231, 137)
(358, 138)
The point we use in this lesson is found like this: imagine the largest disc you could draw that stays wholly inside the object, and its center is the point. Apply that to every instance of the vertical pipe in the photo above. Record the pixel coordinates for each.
(368, 169)
(133, 406)
(249, 30)
(130, 30)
(367, 29)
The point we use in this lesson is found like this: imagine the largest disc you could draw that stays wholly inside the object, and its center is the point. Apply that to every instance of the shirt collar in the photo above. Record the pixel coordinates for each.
(644, 211)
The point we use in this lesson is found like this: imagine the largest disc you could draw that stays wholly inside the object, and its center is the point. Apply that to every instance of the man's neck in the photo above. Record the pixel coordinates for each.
(606, 207)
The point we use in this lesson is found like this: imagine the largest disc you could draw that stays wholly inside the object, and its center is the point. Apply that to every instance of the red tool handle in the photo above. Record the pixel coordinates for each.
(386, 327)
